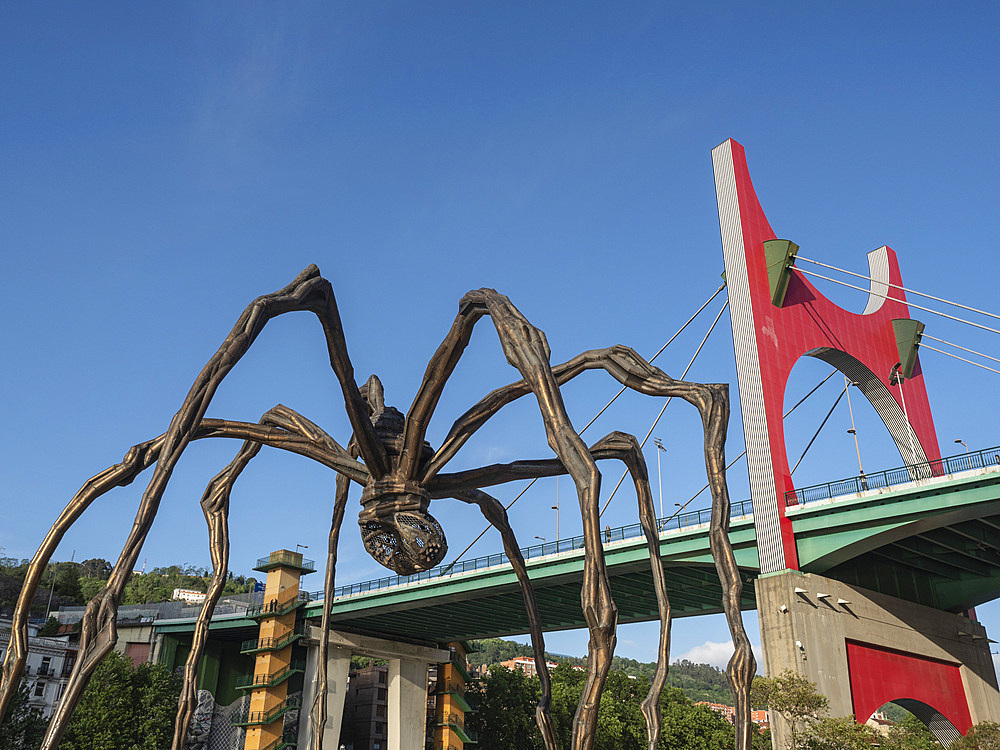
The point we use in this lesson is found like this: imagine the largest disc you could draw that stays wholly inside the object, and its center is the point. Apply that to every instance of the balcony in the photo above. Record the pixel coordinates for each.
(275, 643)
(262, 718)
(270, 680)
(457, 724)
(277, 606)
(285, 559)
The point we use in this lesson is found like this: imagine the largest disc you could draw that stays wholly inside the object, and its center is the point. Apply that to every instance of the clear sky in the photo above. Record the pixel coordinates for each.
(163, 164)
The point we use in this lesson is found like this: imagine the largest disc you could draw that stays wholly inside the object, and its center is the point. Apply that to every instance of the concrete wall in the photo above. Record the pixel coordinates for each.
(807, 634)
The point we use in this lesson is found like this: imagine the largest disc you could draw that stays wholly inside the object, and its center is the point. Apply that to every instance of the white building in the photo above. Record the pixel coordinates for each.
(47, 670)
(189, 595)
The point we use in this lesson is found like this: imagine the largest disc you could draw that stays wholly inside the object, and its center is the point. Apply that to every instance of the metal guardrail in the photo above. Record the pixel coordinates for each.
(891, 477)
(258, 718)
(274, 643)
(270, 680)
(276, 605)
(679, 521)
(286, 558)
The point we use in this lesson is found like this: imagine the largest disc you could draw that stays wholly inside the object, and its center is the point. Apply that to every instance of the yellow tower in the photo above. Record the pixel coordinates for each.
(268, 685)
(452, 707)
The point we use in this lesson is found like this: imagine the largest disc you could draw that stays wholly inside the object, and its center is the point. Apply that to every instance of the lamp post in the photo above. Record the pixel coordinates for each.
(303, 546)
(896, 378)
(962, 443)
(556, 509)
(853, 431)
(659, 477)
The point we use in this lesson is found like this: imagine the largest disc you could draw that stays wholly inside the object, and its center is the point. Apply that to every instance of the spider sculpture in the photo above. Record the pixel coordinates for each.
(401, 474)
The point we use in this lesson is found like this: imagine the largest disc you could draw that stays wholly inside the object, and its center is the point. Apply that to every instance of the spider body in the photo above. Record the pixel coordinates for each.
(400, 474)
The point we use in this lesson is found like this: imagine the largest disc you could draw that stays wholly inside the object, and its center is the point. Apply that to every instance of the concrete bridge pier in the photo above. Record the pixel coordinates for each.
(407, 686)
(863, 649)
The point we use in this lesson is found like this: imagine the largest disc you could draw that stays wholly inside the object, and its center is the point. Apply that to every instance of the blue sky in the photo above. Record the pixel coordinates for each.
(163, 165)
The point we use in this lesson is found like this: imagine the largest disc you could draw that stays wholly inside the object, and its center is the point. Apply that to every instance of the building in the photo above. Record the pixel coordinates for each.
(188, 595)
(526, 664)
(50, 661)
(365, 709)
(759, 718)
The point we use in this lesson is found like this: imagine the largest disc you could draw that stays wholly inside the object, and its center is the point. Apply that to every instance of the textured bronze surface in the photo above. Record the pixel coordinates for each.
(400, 475)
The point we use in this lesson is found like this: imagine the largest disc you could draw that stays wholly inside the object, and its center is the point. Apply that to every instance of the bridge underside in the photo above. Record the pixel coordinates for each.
(693, 590)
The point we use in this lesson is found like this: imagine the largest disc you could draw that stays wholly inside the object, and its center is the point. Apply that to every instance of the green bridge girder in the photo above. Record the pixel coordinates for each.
(935, 542)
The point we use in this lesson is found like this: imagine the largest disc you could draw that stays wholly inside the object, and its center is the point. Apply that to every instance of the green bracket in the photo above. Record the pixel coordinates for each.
(908, 332)
(779, 256)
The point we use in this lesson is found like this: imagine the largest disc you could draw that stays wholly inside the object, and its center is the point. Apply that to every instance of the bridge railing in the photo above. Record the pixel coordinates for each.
(678, 521)
(891, 477)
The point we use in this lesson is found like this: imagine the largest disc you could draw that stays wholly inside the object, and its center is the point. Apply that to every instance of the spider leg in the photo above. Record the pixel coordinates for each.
(318, 713)
(616, 445)
(526, 349)
(215, 505)
(495, 513)
(712, 401)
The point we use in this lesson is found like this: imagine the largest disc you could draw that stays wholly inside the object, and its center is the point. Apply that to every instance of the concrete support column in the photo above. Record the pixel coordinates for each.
(338, 666)
(811, 625)
(407, 704)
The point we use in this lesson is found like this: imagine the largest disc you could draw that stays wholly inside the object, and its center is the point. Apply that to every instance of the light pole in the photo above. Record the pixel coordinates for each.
(556, 509)
(659, 477)
(303, 546)
(853, 430)
(896, 378)
(962, 443)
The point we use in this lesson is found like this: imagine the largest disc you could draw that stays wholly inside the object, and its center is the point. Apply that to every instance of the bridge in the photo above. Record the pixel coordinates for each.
(932, 541)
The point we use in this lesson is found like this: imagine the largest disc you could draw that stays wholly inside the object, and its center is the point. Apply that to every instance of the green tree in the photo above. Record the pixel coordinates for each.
(125, 708)
(505, 703)
(51, 627)
(793, 698)
(90, 586)
(842, 733)
(23, 727)
(985, 736)
(692, 727)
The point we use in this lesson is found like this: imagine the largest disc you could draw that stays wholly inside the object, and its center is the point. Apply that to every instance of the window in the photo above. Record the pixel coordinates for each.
(381, 678)
(39, 689)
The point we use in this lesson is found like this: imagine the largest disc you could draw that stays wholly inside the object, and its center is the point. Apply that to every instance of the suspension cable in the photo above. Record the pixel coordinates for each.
(821, 426)
(898, 286)
(691, 499)
(594, 419)
(958, 346)
(666, 404)
(942, 351)
(894, 299)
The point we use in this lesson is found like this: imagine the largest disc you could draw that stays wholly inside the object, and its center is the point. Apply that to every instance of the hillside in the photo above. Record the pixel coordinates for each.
(699, 682)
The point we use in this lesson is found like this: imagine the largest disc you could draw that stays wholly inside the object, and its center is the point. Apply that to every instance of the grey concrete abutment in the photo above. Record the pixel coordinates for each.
(821, 629)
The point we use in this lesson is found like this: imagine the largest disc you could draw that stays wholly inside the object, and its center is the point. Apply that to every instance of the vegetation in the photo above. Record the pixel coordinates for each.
(23, 727)
(125, 708)
(985, 736)
(699, 682)
(72, 583)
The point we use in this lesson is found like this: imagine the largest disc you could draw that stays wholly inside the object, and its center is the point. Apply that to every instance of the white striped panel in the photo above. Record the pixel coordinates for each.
(878, 270)
(759, 461)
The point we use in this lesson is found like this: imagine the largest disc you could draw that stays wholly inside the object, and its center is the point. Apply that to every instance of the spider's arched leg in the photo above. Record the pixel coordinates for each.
(308, 291)
(712, 401)
(616, 445)
(215, 506)
(496, 514)
(317, 713)
(138, 458)
(526, 349)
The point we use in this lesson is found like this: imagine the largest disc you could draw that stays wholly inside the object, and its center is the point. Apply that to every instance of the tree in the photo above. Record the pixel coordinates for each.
(505, 710)
(793, 698)
(985, 736)
(125, 708)
(23, 727)
(842, 733)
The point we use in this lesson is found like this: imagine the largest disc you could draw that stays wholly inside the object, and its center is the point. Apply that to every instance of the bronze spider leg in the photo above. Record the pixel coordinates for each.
(215, 505)
(526, 349)
(309, 291)
(318, 711)
(496, 514)
(616, 445)
(712, 401)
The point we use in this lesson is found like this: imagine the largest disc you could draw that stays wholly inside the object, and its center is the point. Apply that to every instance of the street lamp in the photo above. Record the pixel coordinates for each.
(853, 430)
(303, 546)
(556, 509)
(962, 443)
(659, 477)
(542, 538)
(896, 378)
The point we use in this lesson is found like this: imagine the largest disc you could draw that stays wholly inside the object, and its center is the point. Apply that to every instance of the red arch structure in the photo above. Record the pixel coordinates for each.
(930, 689)
(771, 331)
